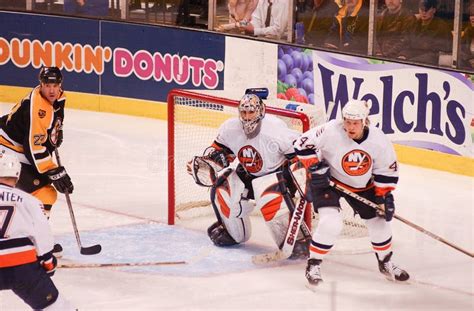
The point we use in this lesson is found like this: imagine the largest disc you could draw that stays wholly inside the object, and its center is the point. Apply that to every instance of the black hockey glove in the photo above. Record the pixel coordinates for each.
(60, 179)
(387, 203)
(48, 262)
(320, 176)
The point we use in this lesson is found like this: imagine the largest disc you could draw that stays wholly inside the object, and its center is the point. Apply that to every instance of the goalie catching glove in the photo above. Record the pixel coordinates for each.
(60, 179)
(204, 168)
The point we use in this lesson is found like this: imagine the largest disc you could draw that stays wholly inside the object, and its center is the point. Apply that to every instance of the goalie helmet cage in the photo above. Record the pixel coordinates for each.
(193, 120)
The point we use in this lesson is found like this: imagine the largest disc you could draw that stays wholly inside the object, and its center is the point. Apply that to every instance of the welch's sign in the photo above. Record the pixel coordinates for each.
(415, 106)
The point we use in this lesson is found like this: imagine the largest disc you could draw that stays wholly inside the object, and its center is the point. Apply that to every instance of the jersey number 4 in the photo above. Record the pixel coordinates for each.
(6, 214)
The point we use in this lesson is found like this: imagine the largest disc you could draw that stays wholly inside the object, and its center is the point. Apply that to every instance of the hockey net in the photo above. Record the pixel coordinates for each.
(193, 120)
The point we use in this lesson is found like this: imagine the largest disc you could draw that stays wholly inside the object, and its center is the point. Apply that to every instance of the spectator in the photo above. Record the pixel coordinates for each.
(392, 28)
(241, 10)
(429, 36)
(189, 11)
(269, 19)
(467, 41)
(87, 7)
(317, 24)
(349, 30)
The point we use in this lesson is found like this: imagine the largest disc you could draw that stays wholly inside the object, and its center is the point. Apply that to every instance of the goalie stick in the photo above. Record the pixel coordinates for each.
(405, 221)
(91, 250)
(296, 222)
(119, 264)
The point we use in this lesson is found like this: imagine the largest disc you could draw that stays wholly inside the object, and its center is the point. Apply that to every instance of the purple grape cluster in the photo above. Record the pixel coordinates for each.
(295, 74)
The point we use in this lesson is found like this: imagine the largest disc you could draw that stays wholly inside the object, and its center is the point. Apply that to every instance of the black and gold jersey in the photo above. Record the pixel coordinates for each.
(31, 130)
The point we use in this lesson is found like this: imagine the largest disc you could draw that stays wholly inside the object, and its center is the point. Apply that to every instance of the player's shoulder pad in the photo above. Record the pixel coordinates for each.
(274, 121)
(232, 123)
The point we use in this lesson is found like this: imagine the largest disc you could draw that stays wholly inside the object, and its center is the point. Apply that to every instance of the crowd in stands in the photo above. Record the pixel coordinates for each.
(417, 31)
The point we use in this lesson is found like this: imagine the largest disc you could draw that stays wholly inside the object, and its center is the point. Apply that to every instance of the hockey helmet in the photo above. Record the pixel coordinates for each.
(9, 165)
(50, 75)
(356, 110)
(251, 103)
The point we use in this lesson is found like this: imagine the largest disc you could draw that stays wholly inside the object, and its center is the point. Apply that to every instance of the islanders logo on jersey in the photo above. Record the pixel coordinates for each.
(250, 159)
(356, 162)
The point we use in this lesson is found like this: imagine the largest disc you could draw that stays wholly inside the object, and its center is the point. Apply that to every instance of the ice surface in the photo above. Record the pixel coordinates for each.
(118, 166)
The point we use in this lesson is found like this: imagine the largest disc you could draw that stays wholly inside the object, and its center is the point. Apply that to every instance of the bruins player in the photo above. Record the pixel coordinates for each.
(32, 131)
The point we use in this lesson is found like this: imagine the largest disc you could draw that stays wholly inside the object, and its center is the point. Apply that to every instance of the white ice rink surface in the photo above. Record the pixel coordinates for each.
(118, 166)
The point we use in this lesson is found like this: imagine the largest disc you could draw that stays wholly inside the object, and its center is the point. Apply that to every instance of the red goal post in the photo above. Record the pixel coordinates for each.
(190, 112)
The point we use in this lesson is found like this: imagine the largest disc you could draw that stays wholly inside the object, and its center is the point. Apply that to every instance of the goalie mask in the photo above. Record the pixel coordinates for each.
(251, 112)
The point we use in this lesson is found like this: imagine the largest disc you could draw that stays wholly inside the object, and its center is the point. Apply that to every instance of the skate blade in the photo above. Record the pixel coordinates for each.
(313, 287)
(393, 280)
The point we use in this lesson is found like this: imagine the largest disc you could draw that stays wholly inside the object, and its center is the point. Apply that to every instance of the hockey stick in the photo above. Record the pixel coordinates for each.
(405, 221)
(91, 250)
(290, 239)
(284, 253)
(119, 264)
(296, 223)
(289, 201)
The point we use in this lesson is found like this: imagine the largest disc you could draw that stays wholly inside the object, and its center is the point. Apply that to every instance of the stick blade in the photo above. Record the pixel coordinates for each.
(91, 250)
(270, 257)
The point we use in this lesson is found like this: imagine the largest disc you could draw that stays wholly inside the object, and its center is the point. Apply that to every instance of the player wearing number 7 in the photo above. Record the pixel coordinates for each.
(360, 157)
(262, 145)
(26, 244)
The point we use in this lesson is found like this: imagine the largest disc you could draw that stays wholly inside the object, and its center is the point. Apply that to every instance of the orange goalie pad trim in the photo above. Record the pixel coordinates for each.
(223, 205)
(270, 209)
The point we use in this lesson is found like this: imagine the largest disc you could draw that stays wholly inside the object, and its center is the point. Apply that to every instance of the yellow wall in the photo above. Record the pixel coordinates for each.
(101, 103)
(151, 109)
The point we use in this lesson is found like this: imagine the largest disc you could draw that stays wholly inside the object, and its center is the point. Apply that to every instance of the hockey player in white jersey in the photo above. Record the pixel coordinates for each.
(26, 243)
(263, 146)
(358, 156)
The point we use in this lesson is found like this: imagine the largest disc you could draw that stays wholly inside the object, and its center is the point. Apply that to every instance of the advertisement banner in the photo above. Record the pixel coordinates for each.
(109, 58)
(415, 106)
(28, 42)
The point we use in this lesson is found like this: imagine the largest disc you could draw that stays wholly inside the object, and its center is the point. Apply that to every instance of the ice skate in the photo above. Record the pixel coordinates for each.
(390, 270)
(313, 271)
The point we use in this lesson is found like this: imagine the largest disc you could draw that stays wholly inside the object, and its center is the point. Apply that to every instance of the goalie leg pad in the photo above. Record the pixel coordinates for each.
(232, 207)
(270, 202)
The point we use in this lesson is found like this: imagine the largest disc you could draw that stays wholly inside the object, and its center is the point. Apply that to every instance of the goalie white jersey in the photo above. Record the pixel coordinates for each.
(262, 154)
(353, 163)
(24, 229)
